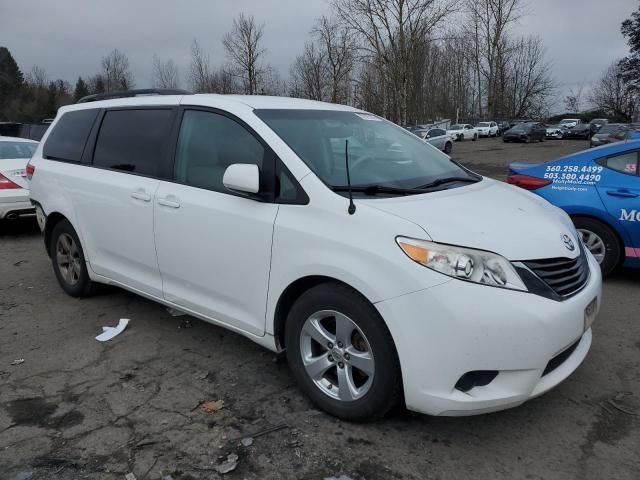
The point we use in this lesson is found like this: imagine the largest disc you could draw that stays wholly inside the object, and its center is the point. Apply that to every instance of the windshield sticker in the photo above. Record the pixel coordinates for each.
(574, 174)
(365, 116)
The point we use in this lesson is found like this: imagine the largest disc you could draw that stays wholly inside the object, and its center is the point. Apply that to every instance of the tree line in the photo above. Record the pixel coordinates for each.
(412, 61)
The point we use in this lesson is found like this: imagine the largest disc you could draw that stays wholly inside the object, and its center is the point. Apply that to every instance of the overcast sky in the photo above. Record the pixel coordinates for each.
(68, 37)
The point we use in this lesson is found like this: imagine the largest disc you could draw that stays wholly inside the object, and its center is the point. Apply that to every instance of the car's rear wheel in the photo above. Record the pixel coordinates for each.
(448, 147)
(475, 137)
(341, 353)
(601, 241)
(68, 261)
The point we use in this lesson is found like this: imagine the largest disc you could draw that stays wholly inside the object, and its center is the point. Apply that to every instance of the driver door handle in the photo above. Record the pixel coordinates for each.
(622, 193)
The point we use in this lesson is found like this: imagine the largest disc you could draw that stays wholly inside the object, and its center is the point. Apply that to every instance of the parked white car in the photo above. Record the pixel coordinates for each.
(487, 129)
(462, 131)
(387, 271)
(14, 188)
(570, 122)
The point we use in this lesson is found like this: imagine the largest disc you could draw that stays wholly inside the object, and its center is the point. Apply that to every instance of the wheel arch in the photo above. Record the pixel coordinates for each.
(291, 293)
(52, 220)
(608, 224)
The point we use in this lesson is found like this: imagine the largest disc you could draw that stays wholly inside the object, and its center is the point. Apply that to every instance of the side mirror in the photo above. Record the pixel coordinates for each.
(242, 177)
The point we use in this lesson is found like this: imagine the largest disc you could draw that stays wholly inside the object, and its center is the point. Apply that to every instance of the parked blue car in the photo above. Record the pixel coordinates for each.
(600, 189)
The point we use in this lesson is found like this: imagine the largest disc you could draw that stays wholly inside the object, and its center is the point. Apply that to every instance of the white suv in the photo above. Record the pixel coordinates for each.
(387, 271)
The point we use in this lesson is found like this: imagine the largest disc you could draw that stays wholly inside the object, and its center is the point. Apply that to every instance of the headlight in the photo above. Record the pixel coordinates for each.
(476, 266)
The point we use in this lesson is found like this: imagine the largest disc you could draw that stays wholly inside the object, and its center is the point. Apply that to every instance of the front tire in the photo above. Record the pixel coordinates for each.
(475, 137)
(601, 241)
(341, 353)
(69, 264)
(448, 147)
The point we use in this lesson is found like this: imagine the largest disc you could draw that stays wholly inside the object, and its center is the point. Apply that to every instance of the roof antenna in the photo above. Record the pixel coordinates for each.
(352, 206)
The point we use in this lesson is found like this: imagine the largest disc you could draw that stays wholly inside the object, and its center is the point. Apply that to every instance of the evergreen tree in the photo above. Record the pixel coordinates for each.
(11, 81)
(630, 65)
(81, 90)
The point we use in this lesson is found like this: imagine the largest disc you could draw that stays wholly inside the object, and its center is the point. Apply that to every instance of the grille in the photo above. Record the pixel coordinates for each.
(562, 275)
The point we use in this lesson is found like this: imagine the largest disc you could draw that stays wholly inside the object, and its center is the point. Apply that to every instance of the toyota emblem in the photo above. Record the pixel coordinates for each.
(568, 242)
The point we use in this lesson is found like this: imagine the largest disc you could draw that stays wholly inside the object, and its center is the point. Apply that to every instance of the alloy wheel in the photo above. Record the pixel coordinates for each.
(68, 259)
(594, 244)
(337, 355)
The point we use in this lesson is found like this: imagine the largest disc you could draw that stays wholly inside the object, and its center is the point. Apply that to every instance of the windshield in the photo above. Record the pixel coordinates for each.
(455, 127)
(17, 149)
(484, 124)
(521, 127)
(562, 122)
(380, 153)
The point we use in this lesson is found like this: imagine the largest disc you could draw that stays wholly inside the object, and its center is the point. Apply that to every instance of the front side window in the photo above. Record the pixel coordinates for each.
(134, 141)
(208, 144)
(380, 153)
(17, 149)
(625, 163)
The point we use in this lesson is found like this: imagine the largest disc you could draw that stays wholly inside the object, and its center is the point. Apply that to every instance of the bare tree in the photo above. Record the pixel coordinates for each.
(529, 84)
(339, 52)
(165, 74)
(573, 101)
(308, 74)
(244, 49)
(489, 25)
(200, 69)
(612, 94)
(37, 77)
(115, 72)
(389, 31)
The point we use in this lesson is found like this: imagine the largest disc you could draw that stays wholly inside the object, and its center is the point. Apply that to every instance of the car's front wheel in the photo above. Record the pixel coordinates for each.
(601, 241)
(68, 260)
(448, 147)
(341, 353)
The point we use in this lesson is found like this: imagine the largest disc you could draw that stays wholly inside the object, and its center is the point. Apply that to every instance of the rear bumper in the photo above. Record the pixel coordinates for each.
(15, 203)
(457, 327)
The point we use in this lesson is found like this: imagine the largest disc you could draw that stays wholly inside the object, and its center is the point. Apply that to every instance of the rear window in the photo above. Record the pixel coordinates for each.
(134, 141)
(69, 136)
(17, 149)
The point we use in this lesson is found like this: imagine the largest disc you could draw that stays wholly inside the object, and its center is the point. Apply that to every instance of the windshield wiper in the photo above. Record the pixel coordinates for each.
(443, 181)
(376, 189)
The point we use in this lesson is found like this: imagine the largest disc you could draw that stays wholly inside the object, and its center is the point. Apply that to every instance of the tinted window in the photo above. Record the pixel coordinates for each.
(17, 149)
(69, 136)
(626, 163)
(208, 144)
(436, 132)
(134, 141)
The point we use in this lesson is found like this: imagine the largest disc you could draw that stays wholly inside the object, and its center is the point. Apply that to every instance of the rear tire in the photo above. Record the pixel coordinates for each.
(332, 325)
(69, 264)
(475, 137)
(601, 241)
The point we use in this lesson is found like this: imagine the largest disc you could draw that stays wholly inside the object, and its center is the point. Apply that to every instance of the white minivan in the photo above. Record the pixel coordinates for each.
(388, 272)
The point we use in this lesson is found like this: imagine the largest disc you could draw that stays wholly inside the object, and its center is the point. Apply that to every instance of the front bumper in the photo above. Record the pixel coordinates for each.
(459, 327)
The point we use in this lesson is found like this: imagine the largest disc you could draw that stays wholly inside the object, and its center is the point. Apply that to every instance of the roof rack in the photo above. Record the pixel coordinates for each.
(133, 93)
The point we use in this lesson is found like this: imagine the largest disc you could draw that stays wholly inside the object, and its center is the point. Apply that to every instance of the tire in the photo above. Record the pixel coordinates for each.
(594, 232)
(65, 247)
(541, 139)
(376, 394)
(448, 147)
(475, 137)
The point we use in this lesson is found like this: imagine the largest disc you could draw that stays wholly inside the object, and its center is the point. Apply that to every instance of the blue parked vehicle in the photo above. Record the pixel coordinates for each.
(600, 190)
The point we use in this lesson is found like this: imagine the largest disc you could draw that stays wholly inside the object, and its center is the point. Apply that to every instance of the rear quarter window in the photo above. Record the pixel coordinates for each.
(134, 141)
(68, 138)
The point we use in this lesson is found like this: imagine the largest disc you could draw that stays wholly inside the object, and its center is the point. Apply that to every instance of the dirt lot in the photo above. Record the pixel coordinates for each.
(76, 408)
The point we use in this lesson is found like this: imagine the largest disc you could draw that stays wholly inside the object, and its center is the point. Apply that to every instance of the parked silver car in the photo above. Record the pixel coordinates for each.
(437, 137)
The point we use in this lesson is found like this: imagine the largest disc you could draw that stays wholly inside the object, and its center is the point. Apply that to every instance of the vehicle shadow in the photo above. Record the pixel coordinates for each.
(21, 227)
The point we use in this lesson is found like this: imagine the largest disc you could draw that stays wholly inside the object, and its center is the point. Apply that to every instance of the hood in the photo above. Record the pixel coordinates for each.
(488, 215)
(14, 170)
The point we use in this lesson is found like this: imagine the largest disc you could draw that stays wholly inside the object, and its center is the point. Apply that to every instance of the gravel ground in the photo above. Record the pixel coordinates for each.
(76, 408)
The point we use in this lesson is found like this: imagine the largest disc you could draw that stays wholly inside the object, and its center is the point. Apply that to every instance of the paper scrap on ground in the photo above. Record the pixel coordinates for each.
(17, 361)
(110, 332)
